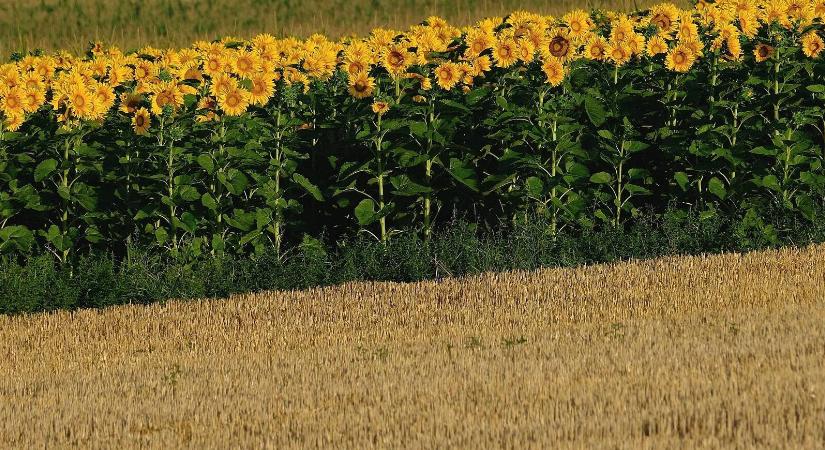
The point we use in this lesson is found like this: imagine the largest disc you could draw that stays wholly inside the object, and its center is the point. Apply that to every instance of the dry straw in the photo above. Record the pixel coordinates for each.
(722, 351)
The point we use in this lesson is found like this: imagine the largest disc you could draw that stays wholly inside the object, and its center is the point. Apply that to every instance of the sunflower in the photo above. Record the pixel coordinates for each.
(361, 85)
(45, 67)
(749, 24)
(129, 102)
(812, 44)
(80, 102)
(656, 46)
(596, 49)
(245, 64)
(558, 45)
(481, 64)
(234, 101)
(447, 76)
(359, 51)
(33, 99)
(579, 23)
(263, 87)
(619, 53)
(120, 74)
(477, 41)
(525, 50)
(141, 121)
(504, 52)
(14, 122)
(687, 29)
(104, 96)
(396, 59)
(762, 52)
(355, 66)
(215, 64)
(819, 9)
(801, 11)
(637, 43)
(12, 103)
(680, 58)
(221, 82)
(166, 94)
(554, 70)
(734, 48)
(380, 108)
(664, 16)
(321, 62)
(145, 70)
(621, 29)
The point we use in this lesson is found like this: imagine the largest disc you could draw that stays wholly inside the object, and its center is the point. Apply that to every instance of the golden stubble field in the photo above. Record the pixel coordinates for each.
(722, 351)
(71, 24)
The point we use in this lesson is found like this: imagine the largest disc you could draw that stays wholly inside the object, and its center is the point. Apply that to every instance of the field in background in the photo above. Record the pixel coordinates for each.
(71, 24)
(721, 351)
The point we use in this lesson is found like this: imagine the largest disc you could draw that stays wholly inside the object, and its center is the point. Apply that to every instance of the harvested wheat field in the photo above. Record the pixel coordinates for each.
(719, 351)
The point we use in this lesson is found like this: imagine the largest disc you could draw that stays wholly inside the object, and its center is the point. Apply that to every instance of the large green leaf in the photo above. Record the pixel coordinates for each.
(365, 212)
(595, 110)
(601, 178)
(44, 169)
(304, 182)
(717, 188)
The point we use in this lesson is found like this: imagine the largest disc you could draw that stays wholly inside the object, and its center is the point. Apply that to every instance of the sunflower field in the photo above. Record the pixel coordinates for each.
(588, 119)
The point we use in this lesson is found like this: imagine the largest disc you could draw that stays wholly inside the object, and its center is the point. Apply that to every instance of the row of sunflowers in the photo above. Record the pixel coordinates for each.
(230, 75)
(588, 118)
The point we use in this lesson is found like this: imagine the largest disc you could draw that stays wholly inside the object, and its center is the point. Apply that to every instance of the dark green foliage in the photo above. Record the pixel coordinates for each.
(99, 280)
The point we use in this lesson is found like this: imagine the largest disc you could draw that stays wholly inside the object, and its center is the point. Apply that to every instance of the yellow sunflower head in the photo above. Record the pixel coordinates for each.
(656, 46)
(447, 75)
(504, 52)
(664, 16)
(361, 85)
(596, 49)
(12, 103)
(558, 45)
(234, 102)
(578, 22)
(263, 87)
(396, 58)
(762, 52)
(141, 121)
(812, 44)
(554, 69)
(619, 53)
(380, 108)
(680, 58)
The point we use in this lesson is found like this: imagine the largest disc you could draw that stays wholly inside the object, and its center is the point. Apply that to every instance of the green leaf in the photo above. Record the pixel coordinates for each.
(771, 182)
(806, 206)
(717, 188)
(601, 178)
(636, 189)
(44, 169)
(816, 88)
(17, 236)
(475, 95)
(595, 110)
(535, 187)
(188, 193)
(206, 162)
(635, 146)
(464, 174)
(208, 201)
(682, 179)
(365, 212)
(405, 186)
(308, 186)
